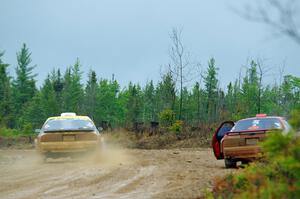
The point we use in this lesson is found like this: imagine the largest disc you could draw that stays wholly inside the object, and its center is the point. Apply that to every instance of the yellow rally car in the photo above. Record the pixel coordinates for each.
(66, 134)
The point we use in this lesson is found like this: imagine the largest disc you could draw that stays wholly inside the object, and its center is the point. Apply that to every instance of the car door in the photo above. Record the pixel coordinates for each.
(217, 137)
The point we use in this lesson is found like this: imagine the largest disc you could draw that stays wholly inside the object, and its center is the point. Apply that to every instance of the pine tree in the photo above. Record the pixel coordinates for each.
(5, 95)
(66, 92)
(50, 103)
(134, 104)
(107, 106)
(24, 84)
(197, 104)
(76, 88)
(72, 93)
(185, 112)
(211, 86)
(166, 93)
(34, 114)
(91, 90)
(149, 102)
(250, 91)
(58, 86)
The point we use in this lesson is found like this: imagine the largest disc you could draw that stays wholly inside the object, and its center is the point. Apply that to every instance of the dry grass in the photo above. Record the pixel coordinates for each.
(16, 142)
(159, 141)
(131, 140)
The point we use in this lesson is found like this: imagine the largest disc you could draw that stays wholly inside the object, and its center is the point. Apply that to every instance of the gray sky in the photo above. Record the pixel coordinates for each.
(131, 38)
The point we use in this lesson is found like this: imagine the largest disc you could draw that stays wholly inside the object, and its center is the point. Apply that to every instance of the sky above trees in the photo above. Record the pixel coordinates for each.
(131, 39)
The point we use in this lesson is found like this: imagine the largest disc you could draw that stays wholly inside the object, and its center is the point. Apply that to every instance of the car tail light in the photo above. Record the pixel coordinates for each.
(86, 136)
(54, 137)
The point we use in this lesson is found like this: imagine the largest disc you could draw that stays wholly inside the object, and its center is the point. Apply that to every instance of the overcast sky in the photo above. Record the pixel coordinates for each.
(130, 38)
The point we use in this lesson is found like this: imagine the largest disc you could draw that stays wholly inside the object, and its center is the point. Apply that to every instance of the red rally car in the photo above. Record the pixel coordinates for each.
(238, 141)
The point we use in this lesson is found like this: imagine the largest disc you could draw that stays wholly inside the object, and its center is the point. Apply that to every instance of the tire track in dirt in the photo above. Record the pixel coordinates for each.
(120, 173)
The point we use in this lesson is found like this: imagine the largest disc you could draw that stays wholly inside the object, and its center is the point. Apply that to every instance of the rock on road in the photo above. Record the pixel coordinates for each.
(121, 173)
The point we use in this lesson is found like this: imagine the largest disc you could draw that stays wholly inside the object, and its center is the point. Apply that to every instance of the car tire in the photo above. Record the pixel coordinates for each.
(245, 162)
(230, 163)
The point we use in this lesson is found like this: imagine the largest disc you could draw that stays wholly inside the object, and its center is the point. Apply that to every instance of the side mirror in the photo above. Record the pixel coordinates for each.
(37, 131)
(100, 129)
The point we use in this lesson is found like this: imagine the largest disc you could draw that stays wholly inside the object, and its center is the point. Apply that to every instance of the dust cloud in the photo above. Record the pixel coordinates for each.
(112, 172)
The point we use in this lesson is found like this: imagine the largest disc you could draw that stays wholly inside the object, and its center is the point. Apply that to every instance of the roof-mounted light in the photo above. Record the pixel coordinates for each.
(261, 115)
(68, 114)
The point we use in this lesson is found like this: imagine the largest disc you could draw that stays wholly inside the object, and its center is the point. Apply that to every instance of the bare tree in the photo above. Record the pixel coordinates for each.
(180, 66)
(281, 15)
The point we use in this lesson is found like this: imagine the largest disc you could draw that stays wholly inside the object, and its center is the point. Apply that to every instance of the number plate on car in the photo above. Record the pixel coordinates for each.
(252, 141)
(68, 138)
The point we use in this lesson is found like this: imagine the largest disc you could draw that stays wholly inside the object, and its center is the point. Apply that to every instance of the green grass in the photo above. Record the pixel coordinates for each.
(13, 133)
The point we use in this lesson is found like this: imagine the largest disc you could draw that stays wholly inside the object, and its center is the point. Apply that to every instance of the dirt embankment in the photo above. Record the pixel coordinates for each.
(21, 142)
(159, 141)
(127, 140)
(119, 173)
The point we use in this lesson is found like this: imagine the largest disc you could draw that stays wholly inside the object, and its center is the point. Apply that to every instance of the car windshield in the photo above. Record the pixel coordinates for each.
(257, 124)
(68, 124)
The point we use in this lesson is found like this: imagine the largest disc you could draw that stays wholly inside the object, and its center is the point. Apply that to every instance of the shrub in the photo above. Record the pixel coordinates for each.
(27, 129)
(277, 176)
(176, 127)
(5, 132)
(166, 118)
(295, 119)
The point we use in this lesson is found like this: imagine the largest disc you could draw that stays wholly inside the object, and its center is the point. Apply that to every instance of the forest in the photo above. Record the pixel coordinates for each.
(168, 102)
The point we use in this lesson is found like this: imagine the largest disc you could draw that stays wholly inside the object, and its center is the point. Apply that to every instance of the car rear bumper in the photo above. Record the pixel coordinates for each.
(75, 146)
(243, 152)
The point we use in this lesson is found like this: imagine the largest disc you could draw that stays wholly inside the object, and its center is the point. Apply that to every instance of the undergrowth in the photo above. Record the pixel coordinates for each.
(276, 176)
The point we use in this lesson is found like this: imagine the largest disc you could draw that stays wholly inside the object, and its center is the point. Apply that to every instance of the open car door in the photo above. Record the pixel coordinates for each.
(217, 137)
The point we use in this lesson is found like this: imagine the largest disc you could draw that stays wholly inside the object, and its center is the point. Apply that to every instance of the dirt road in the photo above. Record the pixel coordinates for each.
(118, 174)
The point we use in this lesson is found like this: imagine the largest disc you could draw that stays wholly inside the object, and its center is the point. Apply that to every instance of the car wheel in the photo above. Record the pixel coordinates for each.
(229, 163)
(245, 162)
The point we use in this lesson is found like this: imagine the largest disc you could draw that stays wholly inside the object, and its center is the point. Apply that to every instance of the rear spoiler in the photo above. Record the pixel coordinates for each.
(247, 132)
(68, 130)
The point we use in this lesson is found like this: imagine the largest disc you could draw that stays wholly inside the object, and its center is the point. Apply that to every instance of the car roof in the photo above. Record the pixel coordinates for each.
(277, 117)
(69, 117)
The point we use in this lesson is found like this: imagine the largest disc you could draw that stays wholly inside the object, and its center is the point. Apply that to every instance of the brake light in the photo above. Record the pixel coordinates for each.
(261, 115)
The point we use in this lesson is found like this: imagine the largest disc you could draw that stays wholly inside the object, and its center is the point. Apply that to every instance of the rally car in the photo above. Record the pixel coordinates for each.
(238, 141)
(66, 135)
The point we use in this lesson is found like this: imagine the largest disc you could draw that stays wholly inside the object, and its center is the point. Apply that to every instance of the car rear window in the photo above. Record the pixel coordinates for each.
(68, 124)
(257, 124)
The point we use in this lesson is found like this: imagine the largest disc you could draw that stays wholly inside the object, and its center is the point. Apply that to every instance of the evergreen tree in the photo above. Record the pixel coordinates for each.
(34, 114)
(24, 84)
(250, 91)
(66, 92)
(72, 93)
(186, 109)
(166, 93)
(149, 103)
(50, 103)
(211, 88)
(24, 106)
(196, 104)
(291, 93)
(5, 95)
(58, 86)
(134, 104)
(91, 90)
(107, 106)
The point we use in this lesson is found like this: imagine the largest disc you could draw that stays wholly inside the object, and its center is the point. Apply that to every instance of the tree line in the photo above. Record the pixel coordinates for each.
(23, 105)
